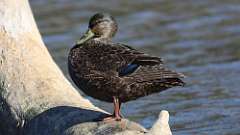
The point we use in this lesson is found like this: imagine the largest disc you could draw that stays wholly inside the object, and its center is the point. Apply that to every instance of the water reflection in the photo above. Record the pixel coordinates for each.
(199, 38)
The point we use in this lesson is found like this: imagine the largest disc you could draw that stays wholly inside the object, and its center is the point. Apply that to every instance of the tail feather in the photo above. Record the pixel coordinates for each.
(156, 73)
(171, 82)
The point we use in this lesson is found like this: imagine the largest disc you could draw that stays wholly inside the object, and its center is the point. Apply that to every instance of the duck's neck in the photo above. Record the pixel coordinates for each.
(103, 39)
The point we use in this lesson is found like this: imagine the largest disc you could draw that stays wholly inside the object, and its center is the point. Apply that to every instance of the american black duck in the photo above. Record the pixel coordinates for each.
(114, 72)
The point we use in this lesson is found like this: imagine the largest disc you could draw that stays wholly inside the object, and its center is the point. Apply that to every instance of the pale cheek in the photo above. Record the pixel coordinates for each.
(102, 30)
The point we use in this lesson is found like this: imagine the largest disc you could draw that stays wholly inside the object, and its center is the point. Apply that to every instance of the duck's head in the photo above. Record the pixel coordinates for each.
(101, 26)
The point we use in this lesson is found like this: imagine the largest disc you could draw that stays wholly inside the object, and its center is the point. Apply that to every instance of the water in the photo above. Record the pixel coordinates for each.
(198, 38)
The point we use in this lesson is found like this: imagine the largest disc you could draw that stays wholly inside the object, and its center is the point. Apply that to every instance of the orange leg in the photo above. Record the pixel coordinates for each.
(117, 108)
(116, 113)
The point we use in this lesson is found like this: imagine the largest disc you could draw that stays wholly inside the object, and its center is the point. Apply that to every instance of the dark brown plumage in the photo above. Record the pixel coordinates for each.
(114, 72)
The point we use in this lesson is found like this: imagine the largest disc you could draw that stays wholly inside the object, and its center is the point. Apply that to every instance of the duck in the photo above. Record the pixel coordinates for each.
(116, 72)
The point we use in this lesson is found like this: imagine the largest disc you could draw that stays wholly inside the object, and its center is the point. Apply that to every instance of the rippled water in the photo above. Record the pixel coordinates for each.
(199, 38)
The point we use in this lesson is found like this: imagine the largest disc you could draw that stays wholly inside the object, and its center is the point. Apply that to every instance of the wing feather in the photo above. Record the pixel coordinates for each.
(115, 56)
(152, 73)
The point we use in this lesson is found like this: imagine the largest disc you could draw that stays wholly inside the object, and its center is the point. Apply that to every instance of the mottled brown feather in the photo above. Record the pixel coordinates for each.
(94, 67)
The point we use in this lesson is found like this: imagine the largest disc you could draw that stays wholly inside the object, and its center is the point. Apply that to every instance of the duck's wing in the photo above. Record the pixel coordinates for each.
(121, 58)
(141, 58)
(157, 73)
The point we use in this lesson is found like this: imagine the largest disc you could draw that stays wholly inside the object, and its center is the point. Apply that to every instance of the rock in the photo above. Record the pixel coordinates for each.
(161, 126)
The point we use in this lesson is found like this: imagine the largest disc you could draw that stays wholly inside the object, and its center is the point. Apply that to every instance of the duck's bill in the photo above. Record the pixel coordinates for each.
(89, 34)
